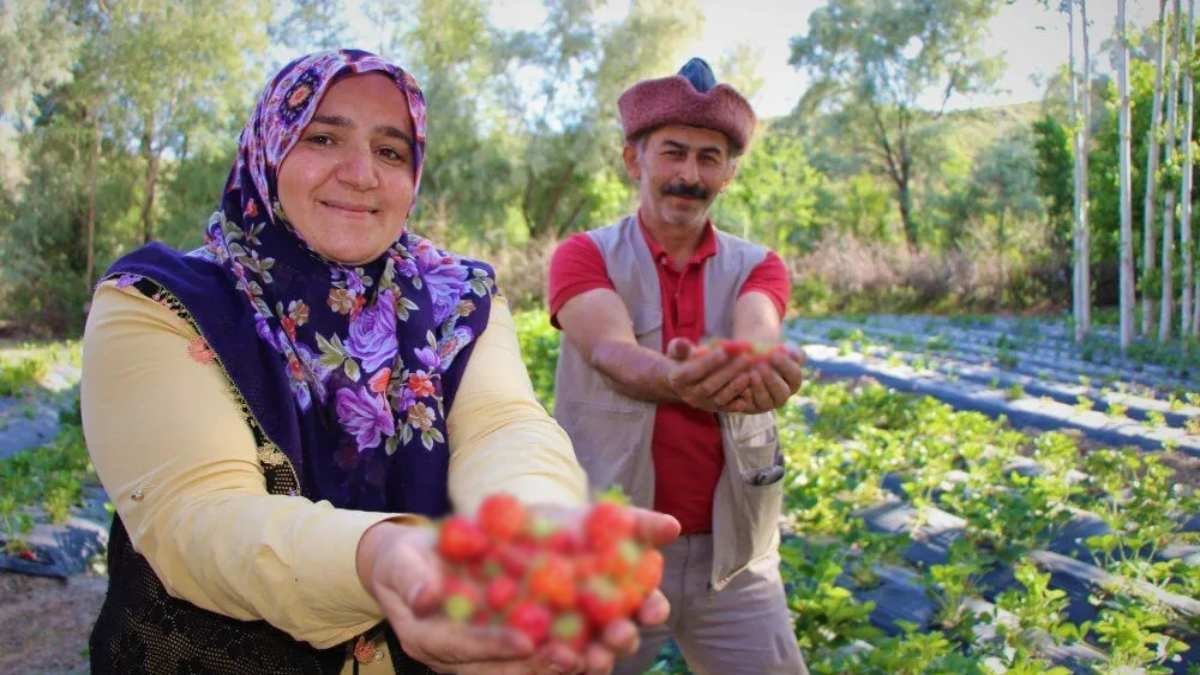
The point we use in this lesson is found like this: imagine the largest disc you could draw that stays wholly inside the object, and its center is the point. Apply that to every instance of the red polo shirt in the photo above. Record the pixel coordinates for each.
(687, 441)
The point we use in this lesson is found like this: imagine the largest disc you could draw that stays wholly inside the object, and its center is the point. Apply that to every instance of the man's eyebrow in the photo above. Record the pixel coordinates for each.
(685, 147)
(347, 123)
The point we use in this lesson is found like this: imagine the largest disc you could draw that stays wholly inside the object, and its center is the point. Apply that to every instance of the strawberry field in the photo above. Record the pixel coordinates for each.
(966, 495)
(981, 495)
(1041, 517)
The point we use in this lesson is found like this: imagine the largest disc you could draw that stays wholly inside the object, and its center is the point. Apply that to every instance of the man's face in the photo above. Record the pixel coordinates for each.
(679, 171)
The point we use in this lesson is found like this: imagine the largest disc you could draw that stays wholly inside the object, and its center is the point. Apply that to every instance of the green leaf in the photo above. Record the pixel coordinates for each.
(350, 366)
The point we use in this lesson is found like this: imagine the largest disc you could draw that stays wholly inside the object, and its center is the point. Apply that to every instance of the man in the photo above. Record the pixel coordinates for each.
(686, 431)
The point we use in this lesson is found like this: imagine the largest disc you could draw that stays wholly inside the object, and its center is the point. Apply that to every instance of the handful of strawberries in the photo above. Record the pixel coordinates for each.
(755, 351)
(511, 567)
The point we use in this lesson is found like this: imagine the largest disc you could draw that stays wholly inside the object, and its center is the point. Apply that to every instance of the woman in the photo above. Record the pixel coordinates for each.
(277, 414)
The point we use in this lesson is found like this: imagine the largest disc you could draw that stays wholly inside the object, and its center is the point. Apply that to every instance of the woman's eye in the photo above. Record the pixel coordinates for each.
(393, 155)
(319, 139)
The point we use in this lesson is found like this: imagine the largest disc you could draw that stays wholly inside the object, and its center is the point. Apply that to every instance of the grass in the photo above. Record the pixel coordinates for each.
(27, 364)
(50, 477)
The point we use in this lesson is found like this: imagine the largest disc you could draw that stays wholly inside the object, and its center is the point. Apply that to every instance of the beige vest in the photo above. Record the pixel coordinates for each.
(612, 432)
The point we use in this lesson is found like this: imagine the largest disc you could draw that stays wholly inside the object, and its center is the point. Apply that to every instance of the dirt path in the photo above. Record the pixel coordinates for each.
(44, 623)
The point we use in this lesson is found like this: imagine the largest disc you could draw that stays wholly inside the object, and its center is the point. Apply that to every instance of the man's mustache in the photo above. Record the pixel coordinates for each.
(696, 191)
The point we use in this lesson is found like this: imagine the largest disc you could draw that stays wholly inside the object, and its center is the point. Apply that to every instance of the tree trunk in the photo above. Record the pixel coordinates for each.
(151, 157)
(1080, 178)
(1085, 236)
(1167, 308)
(1126, 199)
(1187, 327)
(1148, 239)
(904, 196)
(546, 222)
(93, 160)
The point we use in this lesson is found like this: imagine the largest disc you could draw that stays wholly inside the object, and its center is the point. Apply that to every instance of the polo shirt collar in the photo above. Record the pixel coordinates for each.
(705, 250)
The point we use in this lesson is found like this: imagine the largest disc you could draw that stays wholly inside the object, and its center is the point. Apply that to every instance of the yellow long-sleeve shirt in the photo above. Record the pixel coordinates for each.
(174, 452)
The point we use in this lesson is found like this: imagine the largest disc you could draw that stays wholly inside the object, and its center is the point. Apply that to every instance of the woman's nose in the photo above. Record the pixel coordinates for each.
(357, 170)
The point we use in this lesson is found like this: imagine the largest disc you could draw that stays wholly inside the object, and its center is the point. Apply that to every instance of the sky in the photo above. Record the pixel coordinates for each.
(1032, 38)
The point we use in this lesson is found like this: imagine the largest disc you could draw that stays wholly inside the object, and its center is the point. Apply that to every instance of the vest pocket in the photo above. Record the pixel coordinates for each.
(756, 448)
(753, 479)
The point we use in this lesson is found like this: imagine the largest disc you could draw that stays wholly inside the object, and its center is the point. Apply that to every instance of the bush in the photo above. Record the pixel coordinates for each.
(539, 350)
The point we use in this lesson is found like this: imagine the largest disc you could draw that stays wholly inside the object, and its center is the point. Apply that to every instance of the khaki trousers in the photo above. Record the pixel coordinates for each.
(743, 629)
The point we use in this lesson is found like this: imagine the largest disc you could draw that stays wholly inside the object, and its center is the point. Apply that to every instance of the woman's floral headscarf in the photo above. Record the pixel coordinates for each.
(366, 348)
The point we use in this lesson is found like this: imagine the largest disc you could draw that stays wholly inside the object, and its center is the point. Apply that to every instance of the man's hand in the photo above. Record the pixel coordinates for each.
(710, 379)
(772, 382)
(399, 567)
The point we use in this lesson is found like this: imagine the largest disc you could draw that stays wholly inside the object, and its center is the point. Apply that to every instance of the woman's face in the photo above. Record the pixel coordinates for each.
(347, 184)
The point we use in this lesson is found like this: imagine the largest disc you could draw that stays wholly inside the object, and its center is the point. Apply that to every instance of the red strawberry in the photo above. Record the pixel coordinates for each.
(460, 540)
(620, 559)
(501, 516)
(570, 628)
(648, 572)
(460, 599)
(553, 579)
(606, 524)
(531, 619)
(631, 597)
(515, 558)
(487, 567)
(501, 592)
(601, 601)
(564, 542)
(734, 348)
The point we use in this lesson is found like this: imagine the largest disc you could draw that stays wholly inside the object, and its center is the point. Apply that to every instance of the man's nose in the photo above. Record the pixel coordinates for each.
(690, 171)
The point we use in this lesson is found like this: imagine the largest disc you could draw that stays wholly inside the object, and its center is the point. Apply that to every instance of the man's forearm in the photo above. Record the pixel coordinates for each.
(635, 371)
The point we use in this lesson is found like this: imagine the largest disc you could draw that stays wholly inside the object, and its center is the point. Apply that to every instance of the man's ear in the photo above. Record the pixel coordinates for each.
(730, 173)
(629, 153)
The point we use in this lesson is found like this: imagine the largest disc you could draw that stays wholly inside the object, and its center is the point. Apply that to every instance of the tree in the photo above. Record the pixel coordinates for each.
(1187, 325)
(1003, 187)
(773, 198)
(1080, 119)
(174, 68)
(38, 45)
(1166, 309)
(878, 60)
(1053, 171)
(1149, 269)
(571, 130)
(1126, 198)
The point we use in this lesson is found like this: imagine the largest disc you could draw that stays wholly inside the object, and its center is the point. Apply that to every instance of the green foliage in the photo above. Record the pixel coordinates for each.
(51, 477)
(773, 199)
(539, 350)
(18, 373)
(875, 61)
(1054, 166)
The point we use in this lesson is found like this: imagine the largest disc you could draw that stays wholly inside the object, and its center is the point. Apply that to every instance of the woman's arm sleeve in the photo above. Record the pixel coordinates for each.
(178, 459)
(501, 438)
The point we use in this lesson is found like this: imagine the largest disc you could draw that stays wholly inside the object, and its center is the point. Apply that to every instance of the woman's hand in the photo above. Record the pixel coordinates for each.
(399, 567)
